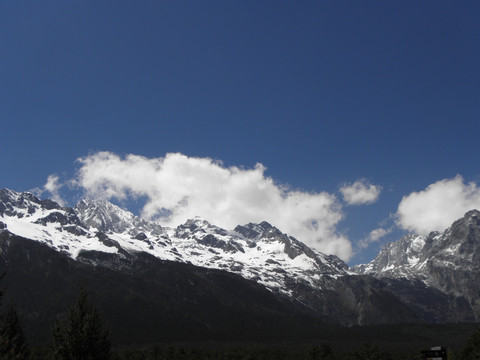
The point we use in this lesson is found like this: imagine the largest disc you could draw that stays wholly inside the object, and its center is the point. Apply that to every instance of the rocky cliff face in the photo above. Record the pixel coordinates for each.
(447, 263)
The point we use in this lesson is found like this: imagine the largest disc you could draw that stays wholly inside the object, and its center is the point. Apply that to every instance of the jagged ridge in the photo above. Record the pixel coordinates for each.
(430, 278)
(448, 262)
(259, 252)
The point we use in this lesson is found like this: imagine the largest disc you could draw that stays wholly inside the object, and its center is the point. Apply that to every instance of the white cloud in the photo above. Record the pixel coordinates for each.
(361, 192)
(438, 206)
(374, 236)
(177, 187)
(53, 187)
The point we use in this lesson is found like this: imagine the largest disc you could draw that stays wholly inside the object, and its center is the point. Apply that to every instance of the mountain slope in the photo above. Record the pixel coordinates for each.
(255, 251)
(414, 279)
(442, 264)
(143, 299)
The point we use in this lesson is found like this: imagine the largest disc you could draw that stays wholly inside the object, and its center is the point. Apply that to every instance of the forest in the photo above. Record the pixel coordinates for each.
(82, 334)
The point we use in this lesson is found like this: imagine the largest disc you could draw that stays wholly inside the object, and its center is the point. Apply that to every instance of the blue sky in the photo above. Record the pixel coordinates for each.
(322, 93)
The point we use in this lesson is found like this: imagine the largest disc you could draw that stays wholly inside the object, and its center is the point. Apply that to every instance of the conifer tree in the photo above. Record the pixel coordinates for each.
(13, 344)
(82, 335)
(472, 349)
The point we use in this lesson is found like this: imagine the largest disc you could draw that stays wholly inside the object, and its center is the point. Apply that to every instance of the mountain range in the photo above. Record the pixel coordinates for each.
(199, 280)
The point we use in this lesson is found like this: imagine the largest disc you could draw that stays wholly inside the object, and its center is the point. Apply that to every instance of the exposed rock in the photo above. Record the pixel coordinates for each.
(445, 263)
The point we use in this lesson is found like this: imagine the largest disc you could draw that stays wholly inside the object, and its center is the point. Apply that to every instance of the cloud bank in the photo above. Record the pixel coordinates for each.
(361, 192)
(177, 187)
(438, 206)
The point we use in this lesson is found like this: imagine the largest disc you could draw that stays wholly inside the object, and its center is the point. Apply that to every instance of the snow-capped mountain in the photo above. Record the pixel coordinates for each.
(401, 259)
(255, 251)
(448, 262)
(418, 278)
(104, 216)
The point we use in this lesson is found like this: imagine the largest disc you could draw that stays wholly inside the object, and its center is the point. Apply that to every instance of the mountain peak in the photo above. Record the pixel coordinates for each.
(22, 204)
(472, 217)
(445, 263)
(253, 230)
(107, 217)
(434, 259)
(103, 215)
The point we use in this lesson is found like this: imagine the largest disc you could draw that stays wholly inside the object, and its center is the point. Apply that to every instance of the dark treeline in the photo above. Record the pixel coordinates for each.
(344, 349)
(263, 352)
(81, 335)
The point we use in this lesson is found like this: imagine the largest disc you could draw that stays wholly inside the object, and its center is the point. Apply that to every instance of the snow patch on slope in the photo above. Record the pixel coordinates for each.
(255, 251)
